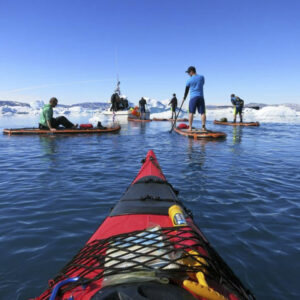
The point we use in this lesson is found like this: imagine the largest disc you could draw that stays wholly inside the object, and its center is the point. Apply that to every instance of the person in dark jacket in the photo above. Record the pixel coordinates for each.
(142, 105)
(115, 99)
(173, 103)
(238, 104)
(123, 104)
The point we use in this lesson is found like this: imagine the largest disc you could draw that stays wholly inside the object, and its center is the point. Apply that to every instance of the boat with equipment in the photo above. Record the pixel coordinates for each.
(123, 111)
(147, 248)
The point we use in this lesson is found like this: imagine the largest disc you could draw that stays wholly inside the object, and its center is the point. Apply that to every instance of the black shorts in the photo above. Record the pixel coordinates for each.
(142, 109)
(238, 110)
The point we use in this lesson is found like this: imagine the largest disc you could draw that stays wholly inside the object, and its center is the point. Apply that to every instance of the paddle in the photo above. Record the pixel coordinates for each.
(176, 117)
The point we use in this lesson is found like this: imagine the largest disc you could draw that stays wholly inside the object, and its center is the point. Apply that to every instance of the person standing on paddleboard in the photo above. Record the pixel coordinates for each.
(238, 104)
(115, 100)
(173, 104)
(195, 86)
(142, 104)
(48, 122)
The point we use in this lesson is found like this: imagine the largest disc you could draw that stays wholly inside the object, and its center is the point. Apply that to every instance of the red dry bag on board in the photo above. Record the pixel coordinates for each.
(183, 126)
(86, 126)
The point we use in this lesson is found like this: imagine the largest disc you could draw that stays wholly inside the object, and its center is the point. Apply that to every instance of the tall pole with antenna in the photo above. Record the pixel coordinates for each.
(117, 90)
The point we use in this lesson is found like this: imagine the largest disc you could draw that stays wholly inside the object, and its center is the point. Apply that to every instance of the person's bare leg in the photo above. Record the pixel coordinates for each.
(191, 118)
(203, 118)
(234, 120)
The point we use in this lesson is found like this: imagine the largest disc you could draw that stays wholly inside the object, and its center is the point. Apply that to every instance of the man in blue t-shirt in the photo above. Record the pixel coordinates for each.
(195, 86)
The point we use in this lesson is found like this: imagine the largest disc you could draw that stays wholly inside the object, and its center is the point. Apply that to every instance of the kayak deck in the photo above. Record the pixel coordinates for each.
(236, 123)
(137, 247)
(198, 134)
(124, 252)
(35, 131)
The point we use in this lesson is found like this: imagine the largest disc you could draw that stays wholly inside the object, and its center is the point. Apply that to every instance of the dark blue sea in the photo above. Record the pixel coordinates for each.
(244, 193)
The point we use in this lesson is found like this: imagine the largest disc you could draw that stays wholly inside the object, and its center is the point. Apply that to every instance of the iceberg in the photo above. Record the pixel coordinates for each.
(7, 110)
(76, 110)
(156, 106)
(36, 105)
(267, 114)
(284, 113)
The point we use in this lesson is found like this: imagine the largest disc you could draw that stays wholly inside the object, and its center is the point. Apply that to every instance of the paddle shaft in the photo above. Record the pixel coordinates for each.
(176, 117)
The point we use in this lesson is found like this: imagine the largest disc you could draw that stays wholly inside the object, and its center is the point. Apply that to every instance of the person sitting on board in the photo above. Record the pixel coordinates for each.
(173, 104)
(238, 104)
(195, 86)
(142, 105)
(48, 122)
(115, 99)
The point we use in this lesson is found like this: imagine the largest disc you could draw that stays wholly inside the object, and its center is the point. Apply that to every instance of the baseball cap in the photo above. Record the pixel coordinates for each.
(191, 69)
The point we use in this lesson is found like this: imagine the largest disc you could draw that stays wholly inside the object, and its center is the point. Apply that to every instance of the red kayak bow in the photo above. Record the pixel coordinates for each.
(147, 248)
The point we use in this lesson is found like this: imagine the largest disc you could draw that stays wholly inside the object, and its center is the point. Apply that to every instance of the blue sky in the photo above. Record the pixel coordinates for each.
(68, 49)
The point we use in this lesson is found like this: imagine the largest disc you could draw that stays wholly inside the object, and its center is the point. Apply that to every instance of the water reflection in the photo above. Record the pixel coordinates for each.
(48, 144)
(196, 152)
(139, 126)
(237, 134)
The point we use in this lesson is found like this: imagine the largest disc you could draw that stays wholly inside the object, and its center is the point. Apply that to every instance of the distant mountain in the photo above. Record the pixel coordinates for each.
(37, 104)
(92, 105)
(253, 104)
(256, 106)
(294, 106)
(13, 103)
(217, 106)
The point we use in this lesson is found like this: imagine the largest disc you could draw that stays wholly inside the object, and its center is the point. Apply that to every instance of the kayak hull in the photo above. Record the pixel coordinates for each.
(237, 124)
(199, 135)
(36, 131)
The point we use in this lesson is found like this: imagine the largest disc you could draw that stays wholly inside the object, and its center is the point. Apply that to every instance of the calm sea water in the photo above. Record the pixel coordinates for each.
(244, 193)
